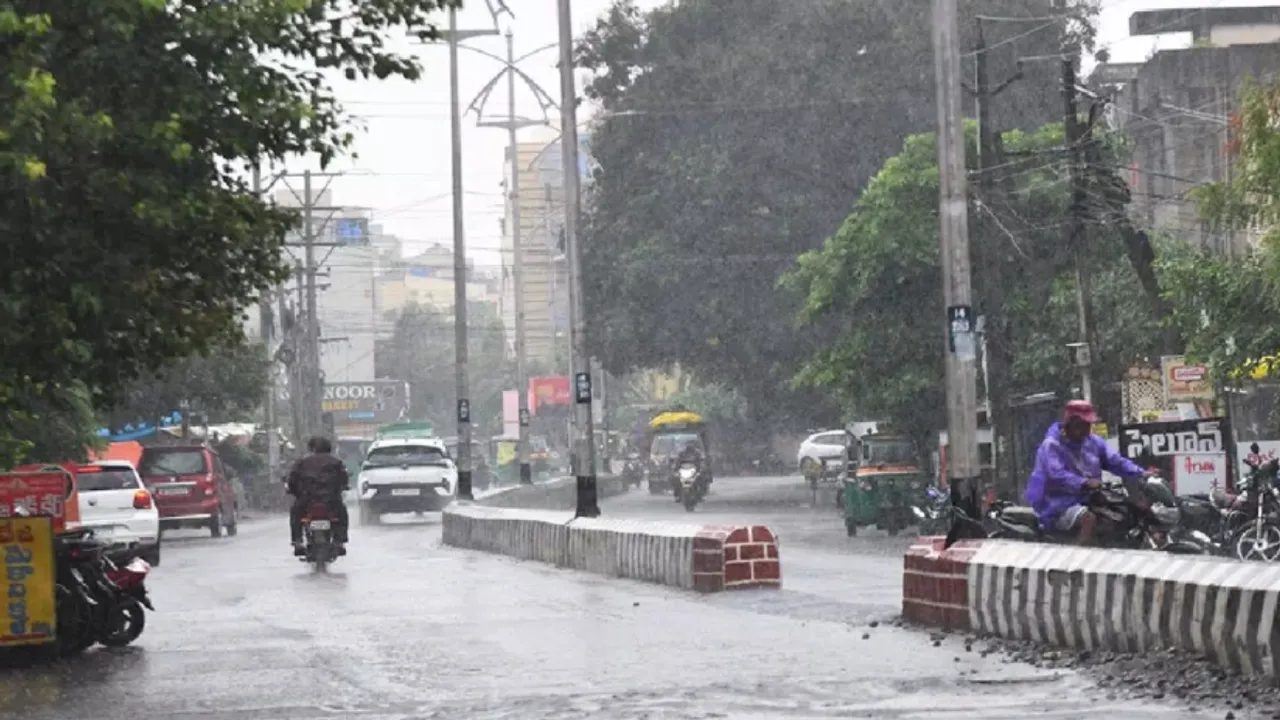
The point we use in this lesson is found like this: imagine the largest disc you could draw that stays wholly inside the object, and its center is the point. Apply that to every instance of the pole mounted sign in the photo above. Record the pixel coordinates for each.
(376, 401)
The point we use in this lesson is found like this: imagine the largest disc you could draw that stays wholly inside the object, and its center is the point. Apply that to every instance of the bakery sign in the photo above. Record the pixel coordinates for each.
(379, 401)
(1207, 436)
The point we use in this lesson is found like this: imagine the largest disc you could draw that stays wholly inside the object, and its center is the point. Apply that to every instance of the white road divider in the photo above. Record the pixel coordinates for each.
(533, 523)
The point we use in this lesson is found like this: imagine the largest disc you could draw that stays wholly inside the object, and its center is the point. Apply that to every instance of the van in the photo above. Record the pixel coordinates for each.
(192, 488)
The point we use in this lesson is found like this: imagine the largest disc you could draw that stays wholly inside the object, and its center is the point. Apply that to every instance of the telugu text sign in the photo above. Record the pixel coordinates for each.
(48, 491)
(29, 584)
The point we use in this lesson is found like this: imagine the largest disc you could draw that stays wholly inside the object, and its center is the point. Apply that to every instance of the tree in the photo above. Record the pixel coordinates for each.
(735, 133)
(125, 129)
(225, 385)
(421, 352)
(879, 280)
(1225, 306)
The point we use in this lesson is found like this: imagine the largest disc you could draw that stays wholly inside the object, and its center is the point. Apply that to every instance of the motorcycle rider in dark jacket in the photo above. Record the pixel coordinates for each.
(320, 477)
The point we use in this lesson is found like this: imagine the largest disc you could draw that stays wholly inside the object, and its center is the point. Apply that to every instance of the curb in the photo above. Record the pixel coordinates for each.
(1089, 599)
(703, 558)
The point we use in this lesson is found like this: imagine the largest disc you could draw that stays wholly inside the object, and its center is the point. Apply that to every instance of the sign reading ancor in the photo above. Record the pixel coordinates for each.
(378, 401)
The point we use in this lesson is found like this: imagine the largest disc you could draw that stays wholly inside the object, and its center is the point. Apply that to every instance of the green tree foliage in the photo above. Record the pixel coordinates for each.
(734, 134)
(421, 352)
(1225, 306)
(125, 128)
(225, 385)
(879, 281)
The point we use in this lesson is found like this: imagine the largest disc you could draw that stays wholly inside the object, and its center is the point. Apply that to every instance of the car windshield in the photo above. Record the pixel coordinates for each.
(100, 479)
(889, 452)
(405, 455)
(172, 462)
(671, 444)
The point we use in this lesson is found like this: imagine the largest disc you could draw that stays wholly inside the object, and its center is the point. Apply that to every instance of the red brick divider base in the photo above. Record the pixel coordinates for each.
(732, 557)
(935, 582)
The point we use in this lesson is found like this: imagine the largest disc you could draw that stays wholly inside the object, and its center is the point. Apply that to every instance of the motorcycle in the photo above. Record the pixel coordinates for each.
(1250, 519)
(934, 514)
(690, 484)
(632, 471)
(319, 545)
(1125, 525)
(127, 618)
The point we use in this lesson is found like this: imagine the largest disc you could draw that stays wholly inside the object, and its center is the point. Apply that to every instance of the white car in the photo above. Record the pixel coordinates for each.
(117, 506)
(829, 444)
(405, 475)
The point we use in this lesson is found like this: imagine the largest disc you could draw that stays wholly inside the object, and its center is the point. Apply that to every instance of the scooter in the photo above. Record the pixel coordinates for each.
(691, 486)
(126, 619)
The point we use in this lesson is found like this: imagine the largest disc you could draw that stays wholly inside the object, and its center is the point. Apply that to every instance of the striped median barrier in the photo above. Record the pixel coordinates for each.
(693, 557)
(1089, 599)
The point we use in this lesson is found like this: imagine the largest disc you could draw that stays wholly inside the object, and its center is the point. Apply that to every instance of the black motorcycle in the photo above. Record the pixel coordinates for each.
(1125, 525)
(934, 513)
(632, 471)
(689, 483)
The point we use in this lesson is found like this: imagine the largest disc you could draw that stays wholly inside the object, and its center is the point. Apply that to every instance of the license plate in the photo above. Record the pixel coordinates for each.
(319, 524)
(406, 491)
(173, 491)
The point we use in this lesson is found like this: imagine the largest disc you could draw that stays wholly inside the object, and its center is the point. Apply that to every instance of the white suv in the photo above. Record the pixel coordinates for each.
(402, 475)
(117, 506)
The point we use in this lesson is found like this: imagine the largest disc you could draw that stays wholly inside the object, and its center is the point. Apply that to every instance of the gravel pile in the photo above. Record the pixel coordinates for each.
(1168, 675)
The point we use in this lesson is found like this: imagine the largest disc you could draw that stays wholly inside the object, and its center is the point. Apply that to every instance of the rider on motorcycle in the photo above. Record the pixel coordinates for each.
(691, 453)
(320, 477)
(1068, 469)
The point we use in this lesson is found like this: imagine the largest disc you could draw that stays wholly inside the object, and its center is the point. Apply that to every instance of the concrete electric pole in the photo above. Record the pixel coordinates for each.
(961, 348)
(1078, 139)
(584, 458)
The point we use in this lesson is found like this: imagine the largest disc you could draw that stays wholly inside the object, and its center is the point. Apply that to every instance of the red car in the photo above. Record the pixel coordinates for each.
(192, 489)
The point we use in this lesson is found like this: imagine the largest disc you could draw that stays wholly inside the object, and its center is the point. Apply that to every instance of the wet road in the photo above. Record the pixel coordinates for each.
(408, 629)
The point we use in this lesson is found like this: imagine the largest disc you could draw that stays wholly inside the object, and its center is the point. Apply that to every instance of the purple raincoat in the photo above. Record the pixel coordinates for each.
(1062, 469)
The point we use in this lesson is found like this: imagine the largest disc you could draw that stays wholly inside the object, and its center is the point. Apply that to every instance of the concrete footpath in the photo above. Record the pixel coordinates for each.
(1088, 599)
(535, 522)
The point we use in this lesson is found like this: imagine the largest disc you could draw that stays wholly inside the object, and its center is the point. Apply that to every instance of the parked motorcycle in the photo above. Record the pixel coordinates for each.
(934, 514)
(96, 600)
(1252, 519)
(1124, 524)
(318, 525)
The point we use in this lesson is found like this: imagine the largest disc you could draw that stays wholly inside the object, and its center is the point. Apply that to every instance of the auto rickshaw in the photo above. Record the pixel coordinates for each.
(886, 481)
(666, 435)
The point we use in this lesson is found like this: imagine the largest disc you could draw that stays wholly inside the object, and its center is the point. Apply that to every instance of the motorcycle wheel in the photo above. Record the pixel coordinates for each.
(320, 558)
(75, 630)
(1258, 543)
(126, 622)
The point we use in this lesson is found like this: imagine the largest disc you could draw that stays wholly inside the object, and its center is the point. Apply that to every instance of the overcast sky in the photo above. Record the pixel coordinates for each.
(402, 171)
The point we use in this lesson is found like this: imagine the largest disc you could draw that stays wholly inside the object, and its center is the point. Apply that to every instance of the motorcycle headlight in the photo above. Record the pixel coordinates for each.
(917, 512)
(687, 473)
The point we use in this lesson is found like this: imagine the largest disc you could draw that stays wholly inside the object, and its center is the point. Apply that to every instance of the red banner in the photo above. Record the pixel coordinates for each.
(40, 490)
(553, 390)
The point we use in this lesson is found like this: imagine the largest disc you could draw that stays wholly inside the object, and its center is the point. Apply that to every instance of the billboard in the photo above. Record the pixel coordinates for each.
(1185, 382)
(548, 391)
(374, 401)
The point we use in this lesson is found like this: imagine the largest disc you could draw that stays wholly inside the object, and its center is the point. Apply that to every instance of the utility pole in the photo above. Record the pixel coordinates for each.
(512, 124)
(311, 381)
(961, 352)
(584, 459)
(298, 393)
(1077, 239)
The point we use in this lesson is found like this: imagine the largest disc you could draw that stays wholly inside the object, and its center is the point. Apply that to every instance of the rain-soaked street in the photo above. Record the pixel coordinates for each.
(405, 628)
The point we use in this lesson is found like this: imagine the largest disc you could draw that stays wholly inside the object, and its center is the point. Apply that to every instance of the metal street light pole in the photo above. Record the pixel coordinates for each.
(454, 36)
(512, 124)
(584, 459)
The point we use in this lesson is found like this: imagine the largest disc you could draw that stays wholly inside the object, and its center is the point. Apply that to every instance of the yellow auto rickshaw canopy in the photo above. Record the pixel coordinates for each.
(682, 417)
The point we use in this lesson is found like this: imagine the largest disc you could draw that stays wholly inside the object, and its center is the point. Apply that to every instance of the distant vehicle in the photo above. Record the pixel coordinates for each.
(405, 475)
(826, 445)
(118, 508)
(192, 488)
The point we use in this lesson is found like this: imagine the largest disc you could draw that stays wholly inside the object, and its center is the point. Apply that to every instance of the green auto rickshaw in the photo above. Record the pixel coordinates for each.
(886, 477)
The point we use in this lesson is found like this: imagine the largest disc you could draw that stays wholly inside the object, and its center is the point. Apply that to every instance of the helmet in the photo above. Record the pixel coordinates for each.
(1079, 410)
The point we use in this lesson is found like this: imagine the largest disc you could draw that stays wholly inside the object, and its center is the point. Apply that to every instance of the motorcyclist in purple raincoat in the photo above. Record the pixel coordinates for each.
(1069, 467)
